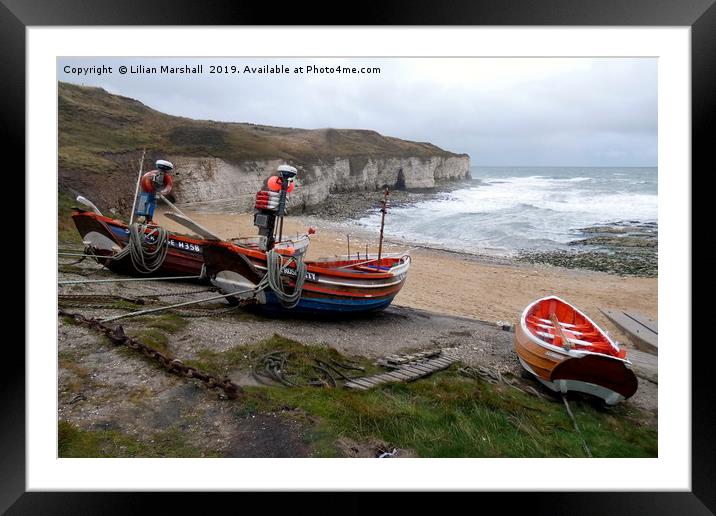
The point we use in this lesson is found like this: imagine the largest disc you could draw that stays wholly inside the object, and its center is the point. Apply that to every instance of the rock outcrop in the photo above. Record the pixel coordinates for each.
(207, 180)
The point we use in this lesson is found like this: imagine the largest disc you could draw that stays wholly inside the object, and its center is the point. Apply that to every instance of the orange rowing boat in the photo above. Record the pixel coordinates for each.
(566, 351)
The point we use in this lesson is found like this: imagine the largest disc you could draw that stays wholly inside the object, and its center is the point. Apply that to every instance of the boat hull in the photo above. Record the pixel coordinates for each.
(562, 370)
(108, 236)
(325, 291)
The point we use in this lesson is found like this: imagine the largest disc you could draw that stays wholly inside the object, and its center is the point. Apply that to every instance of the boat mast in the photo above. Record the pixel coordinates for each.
(287, 174)
(136, 189)
(383, 210)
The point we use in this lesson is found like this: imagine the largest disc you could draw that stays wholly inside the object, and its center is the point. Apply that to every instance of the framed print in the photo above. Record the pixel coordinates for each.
(284, 251)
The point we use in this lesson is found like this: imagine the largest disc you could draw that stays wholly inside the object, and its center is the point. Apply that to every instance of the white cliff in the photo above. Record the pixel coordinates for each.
(207, 180)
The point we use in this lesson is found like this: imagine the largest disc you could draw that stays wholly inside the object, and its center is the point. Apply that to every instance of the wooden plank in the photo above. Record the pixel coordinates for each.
(354, 385)
(411, 369)
(443, 362)
(362, 382)
(395, 378)
(644, 321)
(400, 376)
(644, 365)
(423, 368)
(643, 337)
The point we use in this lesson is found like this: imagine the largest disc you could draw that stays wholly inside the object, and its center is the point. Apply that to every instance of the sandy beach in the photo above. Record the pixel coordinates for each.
(485, 288)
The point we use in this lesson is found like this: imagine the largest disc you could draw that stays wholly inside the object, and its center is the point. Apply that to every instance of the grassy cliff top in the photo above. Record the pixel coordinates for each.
(97, 129)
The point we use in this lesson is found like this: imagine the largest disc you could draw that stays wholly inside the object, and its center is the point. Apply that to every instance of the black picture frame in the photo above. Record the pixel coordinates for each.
(700, 15)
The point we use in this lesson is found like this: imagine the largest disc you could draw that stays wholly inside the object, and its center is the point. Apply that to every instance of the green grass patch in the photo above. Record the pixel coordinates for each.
(301, 361)
(98, 130)
(156, 330)
(123, 304)
(66, 231)
(76, 442)
(447, 415)
(169, 322)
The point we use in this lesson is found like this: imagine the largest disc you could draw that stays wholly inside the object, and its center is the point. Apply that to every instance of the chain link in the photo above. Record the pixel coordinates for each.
(173, 365)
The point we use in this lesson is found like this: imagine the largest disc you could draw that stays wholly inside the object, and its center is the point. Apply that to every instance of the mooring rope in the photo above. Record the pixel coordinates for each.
(275, 265)
(146, 256)
(120, 280)
(179, 305)
(576, 427)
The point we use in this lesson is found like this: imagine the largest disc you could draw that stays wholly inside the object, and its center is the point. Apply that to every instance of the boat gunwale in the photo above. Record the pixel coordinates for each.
(574, 353)
(103, 219)
(311, 267)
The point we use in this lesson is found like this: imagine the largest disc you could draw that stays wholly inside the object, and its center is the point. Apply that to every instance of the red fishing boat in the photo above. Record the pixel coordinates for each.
(330, 285)
(566, 351)
(272, 271)
(108, 240)
(141, 247)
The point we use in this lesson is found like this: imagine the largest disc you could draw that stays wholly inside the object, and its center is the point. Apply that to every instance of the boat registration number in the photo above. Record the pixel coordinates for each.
(184, 246)
(288, 271)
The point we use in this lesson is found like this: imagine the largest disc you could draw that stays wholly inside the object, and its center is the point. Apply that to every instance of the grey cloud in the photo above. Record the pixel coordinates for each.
(588, 112)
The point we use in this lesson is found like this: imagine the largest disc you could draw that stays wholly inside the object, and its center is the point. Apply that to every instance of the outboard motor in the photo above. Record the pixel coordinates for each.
(155, 182)
(271, 204)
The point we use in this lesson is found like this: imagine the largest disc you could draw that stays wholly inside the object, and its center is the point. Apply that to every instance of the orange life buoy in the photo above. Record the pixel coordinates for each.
(148, 186)
(274, 184)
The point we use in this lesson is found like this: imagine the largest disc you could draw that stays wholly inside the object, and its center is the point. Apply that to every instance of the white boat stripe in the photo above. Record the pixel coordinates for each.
(576, 341)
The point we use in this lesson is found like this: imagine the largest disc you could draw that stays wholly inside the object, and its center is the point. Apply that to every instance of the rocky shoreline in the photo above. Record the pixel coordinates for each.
(623, 247)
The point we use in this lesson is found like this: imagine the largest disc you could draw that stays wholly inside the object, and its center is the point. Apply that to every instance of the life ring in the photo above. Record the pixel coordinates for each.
(275, 182)
(148, 185)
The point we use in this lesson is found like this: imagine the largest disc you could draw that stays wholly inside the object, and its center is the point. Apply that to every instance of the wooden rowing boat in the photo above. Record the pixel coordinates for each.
(566, 351)
(337, 285)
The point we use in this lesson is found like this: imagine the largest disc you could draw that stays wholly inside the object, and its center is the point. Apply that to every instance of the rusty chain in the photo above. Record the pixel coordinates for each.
(173, 365)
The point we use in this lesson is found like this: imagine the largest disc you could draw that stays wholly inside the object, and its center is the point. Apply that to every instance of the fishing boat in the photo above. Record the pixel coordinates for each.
(108, 241)
(331, 285)
(566, 351)
(142, 247)
(272, 270)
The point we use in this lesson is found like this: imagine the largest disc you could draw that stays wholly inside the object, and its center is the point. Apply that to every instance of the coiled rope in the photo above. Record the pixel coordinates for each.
(147, 256)
(275, 264)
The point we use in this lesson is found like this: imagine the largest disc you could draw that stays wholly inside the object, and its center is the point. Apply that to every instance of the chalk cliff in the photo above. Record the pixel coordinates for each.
(207, 180)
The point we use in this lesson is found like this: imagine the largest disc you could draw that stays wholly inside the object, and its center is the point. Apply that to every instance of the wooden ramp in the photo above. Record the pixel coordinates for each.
(641, 329)
(405, 369)
(644, 365)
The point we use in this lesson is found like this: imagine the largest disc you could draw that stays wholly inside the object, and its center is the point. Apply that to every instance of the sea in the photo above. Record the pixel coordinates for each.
(504, 210)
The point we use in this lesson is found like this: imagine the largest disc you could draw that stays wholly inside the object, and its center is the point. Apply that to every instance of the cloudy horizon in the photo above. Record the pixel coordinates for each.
(501, 111)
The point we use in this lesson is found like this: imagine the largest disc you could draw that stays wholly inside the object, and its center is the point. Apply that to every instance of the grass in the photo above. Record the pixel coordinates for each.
(76, 442)
(155, 330)
(221, 363)
(66, 231)
(446, 415)
(443, 415)
(98, 130)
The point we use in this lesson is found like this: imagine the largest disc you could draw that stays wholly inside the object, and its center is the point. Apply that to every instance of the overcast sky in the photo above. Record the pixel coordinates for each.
(528, 112)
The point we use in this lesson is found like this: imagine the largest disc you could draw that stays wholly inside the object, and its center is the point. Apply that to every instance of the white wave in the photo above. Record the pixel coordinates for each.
(516, 212)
